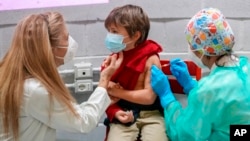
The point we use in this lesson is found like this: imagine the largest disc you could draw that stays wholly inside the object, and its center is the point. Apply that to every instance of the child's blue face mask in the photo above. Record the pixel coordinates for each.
(114, 42)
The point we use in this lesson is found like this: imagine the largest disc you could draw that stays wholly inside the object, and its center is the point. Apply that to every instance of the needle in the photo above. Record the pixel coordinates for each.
(165, 65)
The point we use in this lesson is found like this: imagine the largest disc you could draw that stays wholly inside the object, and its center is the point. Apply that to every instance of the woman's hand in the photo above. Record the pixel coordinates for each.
(112, 89)
(161, 86)
(124, 116)
(114, 85)
(110, 86)
(180, 70)
(111, 64)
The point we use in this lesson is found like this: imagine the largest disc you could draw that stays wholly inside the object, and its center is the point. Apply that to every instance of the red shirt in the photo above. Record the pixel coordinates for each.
(133, 65)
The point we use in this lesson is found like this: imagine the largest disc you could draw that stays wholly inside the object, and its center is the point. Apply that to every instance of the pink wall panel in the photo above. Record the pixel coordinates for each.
(27, 4)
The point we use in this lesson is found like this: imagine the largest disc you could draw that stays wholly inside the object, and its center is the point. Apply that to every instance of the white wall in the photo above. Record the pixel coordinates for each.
(168, 20)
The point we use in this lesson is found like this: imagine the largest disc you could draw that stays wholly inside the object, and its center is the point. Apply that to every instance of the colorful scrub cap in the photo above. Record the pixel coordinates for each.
(209, 32)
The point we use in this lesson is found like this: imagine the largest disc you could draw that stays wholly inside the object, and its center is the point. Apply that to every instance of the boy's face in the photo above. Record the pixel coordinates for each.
(129, 41)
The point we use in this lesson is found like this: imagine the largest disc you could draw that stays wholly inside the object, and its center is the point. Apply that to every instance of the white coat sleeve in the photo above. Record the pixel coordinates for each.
(61, 118)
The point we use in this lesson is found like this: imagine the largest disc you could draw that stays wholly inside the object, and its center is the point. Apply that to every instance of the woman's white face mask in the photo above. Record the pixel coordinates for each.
(195, 58)
(71, 50)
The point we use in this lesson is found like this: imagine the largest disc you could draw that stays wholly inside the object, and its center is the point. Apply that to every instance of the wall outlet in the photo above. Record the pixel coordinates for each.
(83, 85)
(83, 70)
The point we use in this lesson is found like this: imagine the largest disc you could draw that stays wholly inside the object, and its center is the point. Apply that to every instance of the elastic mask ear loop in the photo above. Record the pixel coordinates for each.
(128, 43)
(59, 56)
(202, 54)
(124, 37)
(199, 59)
(66, 52)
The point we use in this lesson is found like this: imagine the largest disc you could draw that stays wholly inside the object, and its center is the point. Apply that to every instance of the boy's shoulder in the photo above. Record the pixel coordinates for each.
(152, 60)
(150, 46)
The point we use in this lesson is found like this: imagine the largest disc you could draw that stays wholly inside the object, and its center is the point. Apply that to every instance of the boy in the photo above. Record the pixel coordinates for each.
(138, 110)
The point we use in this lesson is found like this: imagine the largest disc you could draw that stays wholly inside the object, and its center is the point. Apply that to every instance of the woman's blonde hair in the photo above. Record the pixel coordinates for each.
(30, 55)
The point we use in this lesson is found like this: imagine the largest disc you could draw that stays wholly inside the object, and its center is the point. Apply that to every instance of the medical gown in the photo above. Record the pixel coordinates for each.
(220, 99)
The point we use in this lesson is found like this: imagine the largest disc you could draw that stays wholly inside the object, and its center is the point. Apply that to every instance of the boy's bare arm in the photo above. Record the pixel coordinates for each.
(153, 60)
(144, 93)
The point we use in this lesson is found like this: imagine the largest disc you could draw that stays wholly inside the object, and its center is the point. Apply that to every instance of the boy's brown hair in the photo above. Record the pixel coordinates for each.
(132, 18)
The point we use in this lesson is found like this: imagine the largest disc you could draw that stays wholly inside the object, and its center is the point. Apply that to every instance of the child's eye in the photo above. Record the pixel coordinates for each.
(113, 31)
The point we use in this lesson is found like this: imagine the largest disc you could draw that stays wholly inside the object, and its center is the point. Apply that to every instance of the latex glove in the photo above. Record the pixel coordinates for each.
(179, 69)
(161, 87)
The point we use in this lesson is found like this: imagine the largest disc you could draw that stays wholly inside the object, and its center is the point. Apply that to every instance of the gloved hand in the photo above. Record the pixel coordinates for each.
(179, 69)
(161, 87)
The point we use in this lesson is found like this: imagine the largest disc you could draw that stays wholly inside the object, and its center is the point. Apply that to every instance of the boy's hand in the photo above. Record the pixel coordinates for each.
(124, 116)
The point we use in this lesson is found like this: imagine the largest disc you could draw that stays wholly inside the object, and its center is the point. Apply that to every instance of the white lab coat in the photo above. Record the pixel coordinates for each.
(35, 124)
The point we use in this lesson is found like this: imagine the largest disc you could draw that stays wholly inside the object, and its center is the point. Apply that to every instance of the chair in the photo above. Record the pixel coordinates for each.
(193, 69)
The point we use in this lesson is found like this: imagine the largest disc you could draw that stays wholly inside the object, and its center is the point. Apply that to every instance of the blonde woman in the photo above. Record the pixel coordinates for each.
(34, 101)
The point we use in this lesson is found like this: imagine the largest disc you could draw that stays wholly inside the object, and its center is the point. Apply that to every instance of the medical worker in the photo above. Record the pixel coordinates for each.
(219, 99)
(34, 100)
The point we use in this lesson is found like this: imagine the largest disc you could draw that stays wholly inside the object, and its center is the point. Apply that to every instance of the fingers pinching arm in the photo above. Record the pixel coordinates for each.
(161, 87)
(112, 63)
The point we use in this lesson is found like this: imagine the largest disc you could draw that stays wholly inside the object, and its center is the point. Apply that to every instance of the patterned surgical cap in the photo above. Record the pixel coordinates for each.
(209, 32)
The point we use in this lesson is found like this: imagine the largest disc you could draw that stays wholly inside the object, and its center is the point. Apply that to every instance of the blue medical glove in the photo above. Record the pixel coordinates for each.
(161, 87)
(179, 69)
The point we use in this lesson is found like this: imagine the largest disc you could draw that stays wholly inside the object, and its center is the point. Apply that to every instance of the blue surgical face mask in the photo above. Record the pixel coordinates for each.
(114, 42)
